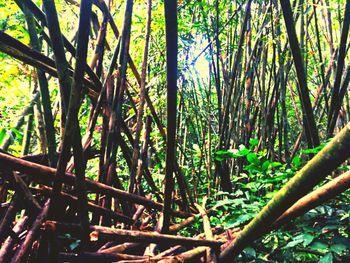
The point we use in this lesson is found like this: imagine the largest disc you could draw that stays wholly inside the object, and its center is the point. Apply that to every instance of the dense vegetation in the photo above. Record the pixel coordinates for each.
(211, 120)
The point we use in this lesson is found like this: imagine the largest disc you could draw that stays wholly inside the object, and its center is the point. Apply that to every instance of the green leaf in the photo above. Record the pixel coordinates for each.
(265, 165)
(296, 161)
(253, 142)
(2, 135)
(293, 243)
(222, 193)
(328, 258)
(232, 153)
(308, 238)
(224, 203)
(253, 158)
(319, 246)
(74, 245)
(253, 186)
(221, 152)
(196, 148)
(243, 151)
(17, 133)
(249, 252)
(338, 248)
(222, 155)
(238, 221)
(313, 150)
(275, 164)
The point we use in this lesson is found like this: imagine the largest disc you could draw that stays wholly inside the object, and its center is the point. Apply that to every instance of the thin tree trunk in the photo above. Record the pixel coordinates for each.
(136, 150)
(171, 54)
(72, 137)
(308, 117)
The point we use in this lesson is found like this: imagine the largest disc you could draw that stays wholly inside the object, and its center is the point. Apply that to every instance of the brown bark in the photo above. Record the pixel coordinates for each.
(119, 235)
(45, 174)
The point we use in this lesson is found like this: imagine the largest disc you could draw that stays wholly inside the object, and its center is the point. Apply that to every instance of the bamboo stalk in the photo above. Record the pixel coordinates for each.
(333, 114)
(72, 137)
(8, 218)
(341, 95)
(121, 248)
(116, 116)
(31, 235)
(119, 235)
(23, 192)
(22, 52)
(7, 141)
(96, 209)
(96, 257)
(308, 117)
(136, 150)
(211, 257)
(40, 16)
(8, 244)
(322, 194)
(170, 7)
(142, 164)
(45, 174)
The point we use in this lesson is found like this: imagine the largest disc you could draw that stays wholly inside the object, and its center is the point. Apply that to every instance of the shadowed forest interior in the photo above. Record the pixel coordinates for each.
(174, 131)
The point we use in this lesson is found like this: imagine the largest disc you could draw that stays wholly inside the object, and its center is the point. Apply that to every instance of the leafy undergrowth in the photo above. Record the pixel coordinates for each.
(320, 235)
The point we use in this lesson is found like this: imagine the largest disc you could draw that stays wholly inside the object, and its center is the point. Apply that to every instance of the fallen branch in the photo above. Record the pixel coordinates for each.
(99, 232)
(7, 246)
(31, 235)
(99, 257)
(96, 209)
(315, 198)
(211, 257)
(46, 174)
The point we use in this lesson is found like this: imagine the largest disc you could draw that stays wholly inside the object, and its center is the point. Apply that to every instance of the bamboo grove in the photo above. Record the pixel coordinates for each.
(142, 116)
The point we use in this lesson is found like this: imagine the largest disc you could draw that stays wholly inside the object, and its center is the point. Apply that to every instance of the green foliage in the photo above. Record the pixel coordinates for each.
(2, 135)
(323, 241)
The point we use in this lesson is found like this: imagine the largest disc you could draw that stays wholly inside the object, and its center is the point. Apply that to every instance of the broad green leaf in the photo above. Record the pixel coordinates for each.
(265, 165)
(345, 216)
(249, 252)
(275, 164)
(338, 248)
(253, 186)
(308, 238)
(296, 161)
(253, 142)
(238, 221)
(222, 155)
(314, 150)
(305, 239)
(328, 258)
(293, 243)
(253, 158)
(319, 246)
(243, 151)
(252, 168)
(224, 203)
